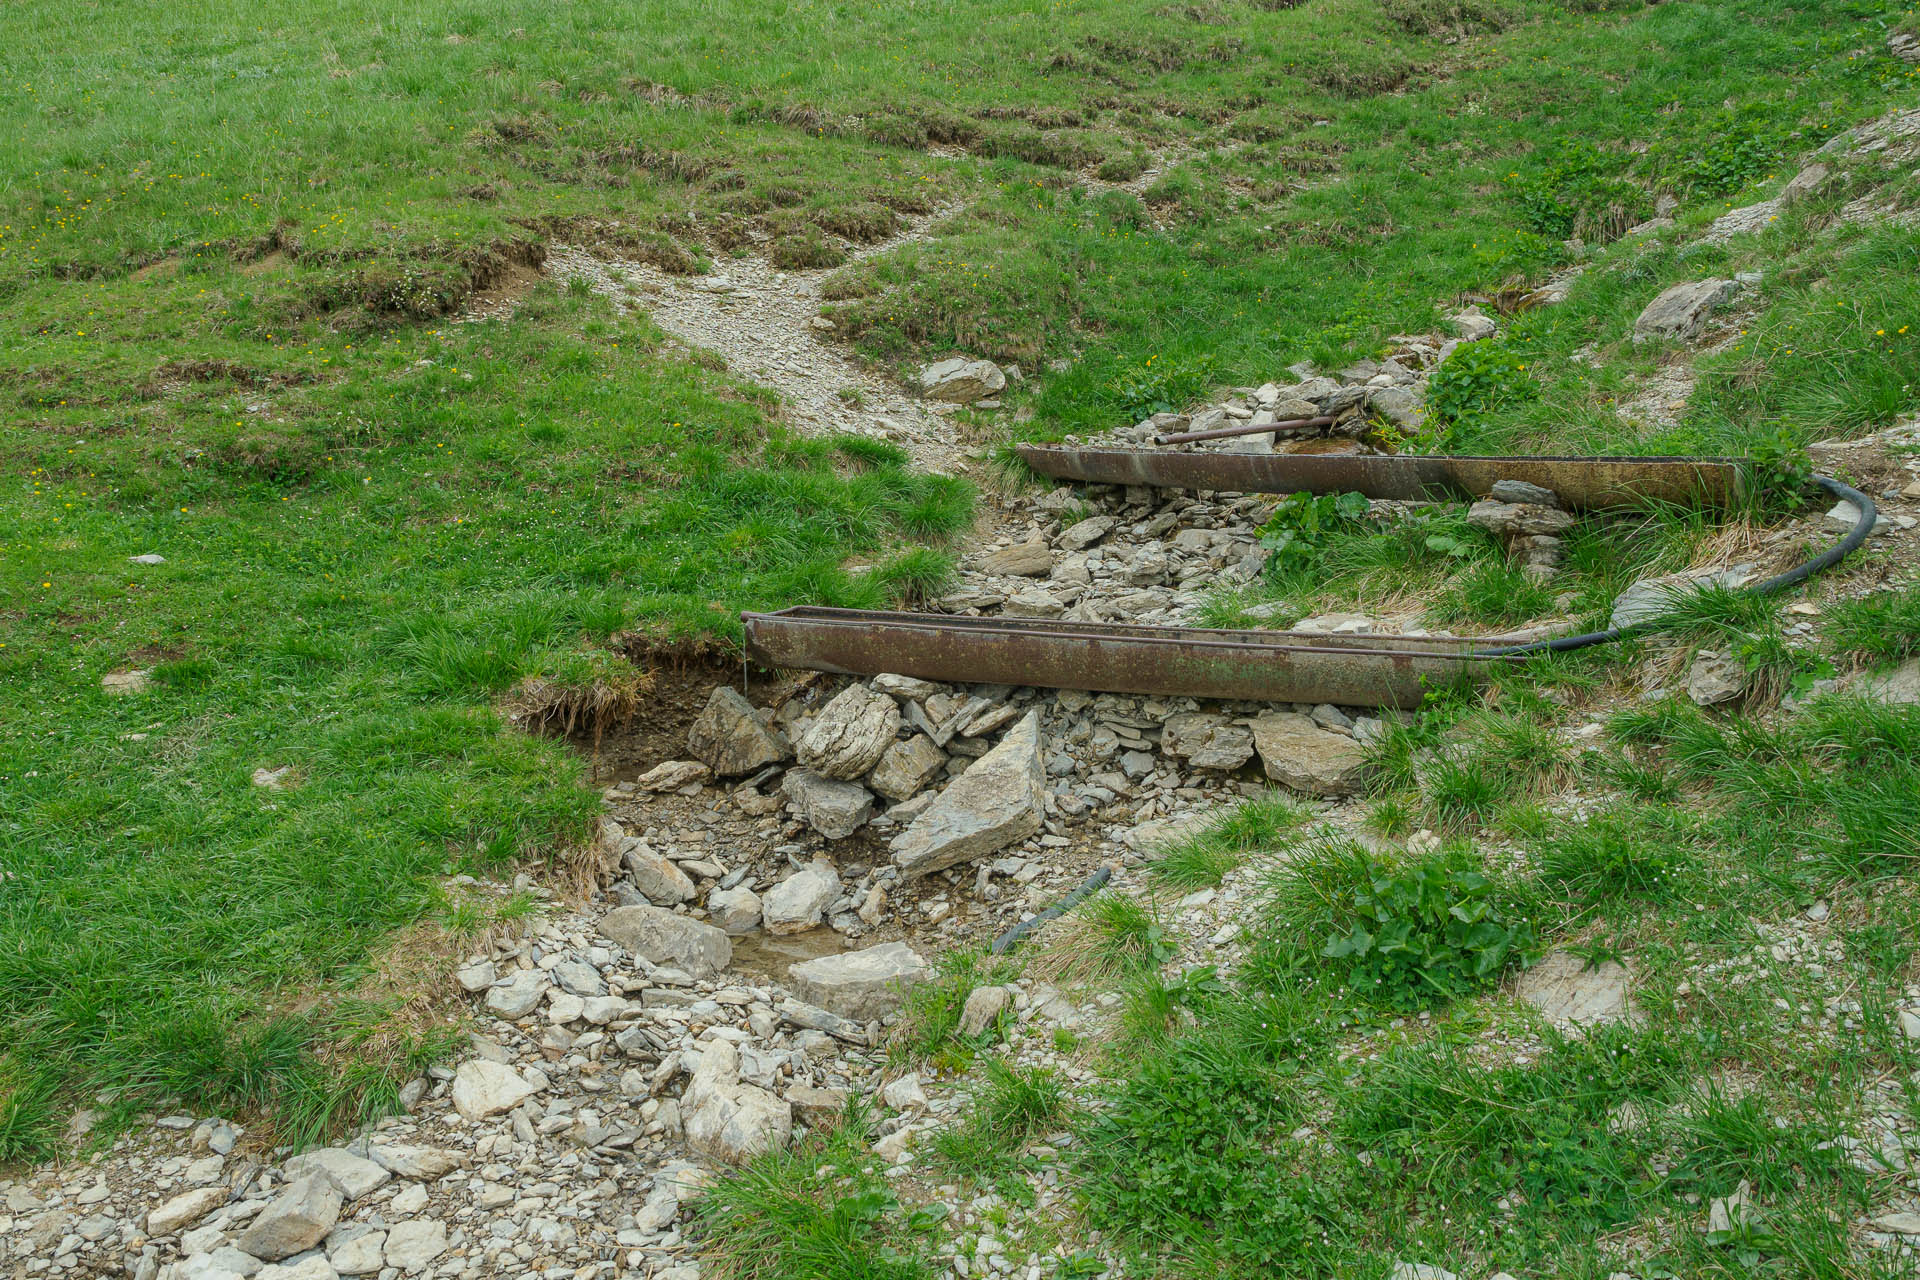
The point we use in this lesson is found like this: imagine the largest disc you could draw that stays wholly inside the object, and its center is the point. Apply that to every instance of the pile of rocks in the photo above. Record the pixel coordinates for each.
(1530, 520)
(603, 1084)
(558, 1147)
(1150, 556)
(950, 775)
(1391, 390)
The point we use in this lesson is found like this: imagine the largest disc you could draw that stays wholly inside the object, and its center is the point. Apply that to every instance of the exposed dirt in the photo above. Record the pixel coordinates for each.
(658, 732)
(765, 322)
(508, 289)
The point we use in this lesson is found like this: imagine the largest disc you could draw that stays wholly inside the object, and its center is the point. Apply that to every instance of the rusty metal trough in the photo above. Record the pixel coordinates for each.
(1582, 483)
(1258, 666)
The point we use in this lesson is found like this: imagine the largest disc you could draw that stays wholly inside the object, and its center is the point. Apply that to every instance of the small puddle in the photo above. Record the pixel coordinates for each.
(767, 955)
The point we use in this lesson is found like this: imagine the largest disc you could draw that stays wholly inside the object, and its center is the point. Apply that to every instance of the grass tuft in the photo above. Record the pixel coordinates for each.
(1202, 860)
(822, 1211)
(1876, 628)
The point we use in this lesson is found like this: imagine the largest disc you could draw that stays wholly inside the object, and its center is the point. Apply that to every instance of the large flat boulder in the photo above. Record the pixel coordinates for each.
(519, 995)
(1022, 560)
(1649, 598)
(413, 1244)
(1570, 993)
(860, 985)
(1519, 519)
(412, 1161)
(1681, 312)
(661, 937)
(1900, 686)
(962, 381)
(1299, 754)
(482, 1088)
(354, 1175)
(999, 800)
(298, 1219)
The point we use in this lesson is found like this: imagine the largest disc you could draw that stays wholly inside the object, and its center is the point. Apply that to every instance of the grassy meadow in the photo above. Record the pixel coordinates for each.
(235, 244)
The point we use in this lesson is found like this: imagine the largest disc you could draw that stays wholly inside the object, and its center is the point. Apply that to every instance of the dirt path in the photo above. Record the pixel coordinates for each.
(766, 323)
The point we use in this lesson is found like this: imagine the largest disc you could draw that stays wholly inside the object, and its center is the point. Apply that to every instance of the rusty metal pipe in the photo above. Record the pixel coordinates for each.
(1581, 483)
(1257, 666)
(1224, 433)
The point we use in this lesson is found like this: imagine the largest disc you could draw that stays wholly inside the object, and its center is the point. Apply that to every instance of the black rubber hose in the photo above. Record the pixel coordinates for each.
(1799, 573)
(1007, 940)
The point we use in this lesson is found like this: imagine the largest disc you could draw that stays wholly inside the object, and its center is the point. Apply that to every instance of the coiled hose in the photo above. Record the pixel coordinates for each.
(1799, 573)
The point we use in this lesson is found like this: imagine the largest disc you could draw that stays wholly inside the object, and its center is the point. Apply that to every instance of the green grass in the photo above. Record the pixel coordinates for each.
(231, 245)
(1237, 1143)
(823, 1209)
(1878, 628)
(1831, 796)
(1202, 860)
(1188, 1156)
(929, 1027)
(428, 535)
(1629, 851)
(1011, 1106)
(1119, 935)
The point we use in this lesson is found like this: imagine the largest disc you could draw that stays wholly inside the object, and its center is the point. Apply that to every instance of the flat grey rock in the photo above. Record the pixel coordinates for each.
(482, 1088)
(1521, 491)
(1404, 407)
(998, 801)
(661, 937)
(298, 1219)
(413, 1245)
(1569, 994)
(1078, 537)
(1519, 519)
(354, 1175)
(1900, 686)
(1022, 560)
(519, 995)
(1681, 311)
(860, 985)
(408, 1160)
(1299, 754)
(185, 1209)
(1649, 598)
(962, 381)
(983, 1008)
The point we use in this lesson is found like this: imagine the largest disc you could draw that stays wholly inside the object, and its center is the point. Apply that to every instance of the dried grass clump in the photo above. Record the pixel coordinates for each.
(606, 695)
